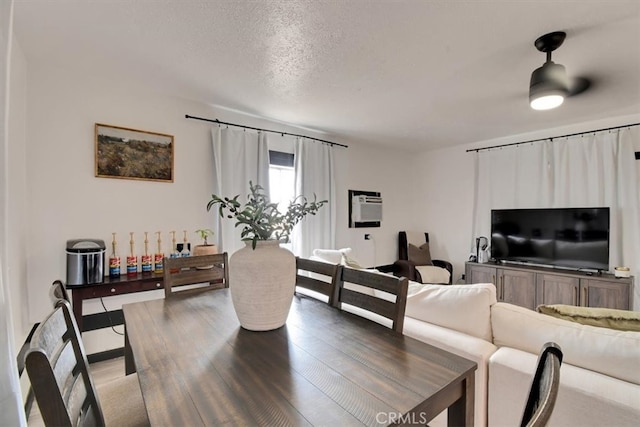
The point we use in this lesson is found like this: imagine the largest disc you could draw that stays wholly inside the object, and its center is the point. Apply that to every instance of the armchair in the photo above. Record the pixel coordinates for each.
(415, 263)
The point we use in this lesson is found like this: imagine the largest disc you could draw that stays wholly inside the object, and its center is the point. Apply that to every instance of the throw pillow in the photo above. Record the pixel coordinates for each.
(621, 320)
(420, 255)
(350, 262)
(332, 256)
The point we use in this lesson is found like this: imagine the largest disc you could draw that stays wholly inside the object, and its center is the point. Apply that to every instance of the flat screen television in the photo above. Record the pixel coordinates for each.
(573, 238)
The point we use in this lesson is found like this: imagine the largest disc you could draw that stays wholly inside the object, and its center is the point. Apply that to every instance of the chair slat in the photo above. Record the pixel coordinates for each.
(368, 302)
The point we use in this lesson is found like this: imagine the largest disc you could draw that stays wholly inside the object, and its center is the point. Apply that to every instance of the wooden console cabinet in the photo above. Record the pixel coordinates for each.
(530, 286)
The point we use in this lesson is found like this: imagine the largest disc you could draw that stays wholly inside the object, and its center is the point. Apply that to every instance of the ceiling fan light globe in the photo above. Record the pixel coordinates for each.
(548, 87)
(547, 102)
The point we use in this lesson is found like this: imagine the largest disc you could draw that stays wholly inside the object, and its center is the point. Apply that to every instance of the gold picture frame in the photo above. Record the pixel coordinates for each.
(126, 153)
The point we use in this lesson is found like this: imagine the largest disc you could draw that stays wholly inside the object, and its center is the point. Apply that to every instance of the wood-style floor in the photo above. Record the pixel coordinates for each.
(102, 373)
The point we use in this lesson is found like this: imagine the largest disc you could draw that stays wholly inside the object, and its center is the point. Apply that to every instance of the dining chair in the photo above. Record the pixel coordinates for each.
(207, 271)
(57, 292)
(58, 370)
(317, 276)
(386, 296)
(544, 387)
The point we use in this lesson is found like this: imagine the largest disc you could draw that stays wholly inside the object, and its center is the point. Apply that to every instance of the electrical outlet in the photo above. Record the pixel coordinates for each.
(367, 237)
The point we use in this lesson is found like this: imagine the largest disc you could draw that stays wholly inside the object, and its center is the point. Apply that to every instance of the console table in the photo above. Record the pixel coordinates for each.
(141, 282)
(530, 286)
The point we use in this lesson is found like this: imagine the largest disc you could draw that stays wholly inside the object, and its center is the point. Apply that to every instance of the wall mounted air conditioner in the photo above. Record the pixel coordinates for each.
(366, 208)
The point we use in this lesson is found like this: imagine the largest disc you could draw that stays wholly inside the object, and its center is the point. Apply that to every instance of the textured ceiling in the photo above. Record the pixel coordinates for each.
(412, 74)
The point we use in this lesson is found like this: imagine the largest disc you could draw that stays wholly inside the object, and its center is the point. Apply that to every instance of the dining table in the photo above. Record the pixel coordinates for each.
(325, 367)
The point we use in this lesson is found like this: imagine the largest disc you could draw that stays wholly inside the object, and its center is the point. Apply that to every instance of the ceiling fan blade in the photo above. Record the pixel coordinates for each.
(577, 85)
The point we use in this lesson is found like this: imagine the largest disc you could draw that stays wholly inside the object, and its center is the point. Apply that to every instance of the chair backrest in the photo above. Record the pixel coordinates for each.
(544, 387)
(211, 271)
(314, 282)
(413, 237)
(59, 372)
(392, 308)
(57, 292)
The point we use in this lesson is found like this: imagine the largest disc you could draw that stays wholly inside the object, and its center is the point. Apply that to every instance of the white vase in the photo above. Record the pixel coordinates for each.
(262, 284)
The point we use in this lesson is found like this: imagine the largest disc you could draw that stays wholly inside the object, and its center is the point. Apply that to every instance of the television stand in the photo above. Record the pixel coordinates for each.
(530, 286)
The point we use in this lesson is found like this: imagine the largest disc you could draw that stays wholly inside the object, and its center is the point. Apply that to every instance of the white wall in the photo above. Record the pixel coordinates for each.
(381, 170)
(10, 181)
(66, 201)
(16, 267)
(446, 196)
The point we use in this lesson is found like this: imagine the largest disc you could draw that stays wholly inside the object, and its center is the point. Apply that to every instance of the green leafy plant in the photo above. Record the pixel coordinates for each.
(204, 233)
(260, 219)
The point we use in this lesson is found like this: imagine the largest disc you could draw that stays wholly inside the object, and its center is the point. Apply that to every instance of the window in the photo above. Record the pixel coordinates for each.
(281, 179)
(282, 182)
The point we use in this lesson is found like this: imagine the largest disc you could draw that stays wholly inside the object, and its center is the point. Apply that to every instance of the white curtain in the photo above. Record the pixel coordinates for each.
(314, 175)
(11, 412)
(597, 169)
(239, 156)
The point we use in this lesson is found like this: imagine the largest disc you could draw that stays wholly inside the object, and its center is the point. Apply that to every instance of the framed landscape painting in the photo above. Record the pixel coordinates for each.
(133, 154)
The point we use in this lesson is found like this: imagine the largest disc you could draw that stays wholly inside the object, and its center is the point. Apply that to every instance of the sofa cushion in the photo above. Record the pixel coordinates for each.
(611, 352)
(621, 320)
(464, 308)
(341, 255)
(585, 398)
(350, 262)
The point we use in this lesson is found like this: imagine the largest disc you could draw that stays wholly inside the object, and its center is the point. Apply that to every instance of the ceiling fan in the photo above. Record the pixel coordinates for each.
(549, 84)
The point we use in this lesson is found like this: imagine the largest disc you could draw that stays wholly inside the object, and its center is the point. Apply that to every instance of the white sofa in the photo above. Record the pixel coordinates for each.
(600, 373)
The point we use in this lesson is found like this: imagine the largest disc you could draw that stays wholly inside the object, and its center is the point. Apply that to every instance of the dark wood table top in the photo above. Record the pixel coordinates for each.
(196, 366)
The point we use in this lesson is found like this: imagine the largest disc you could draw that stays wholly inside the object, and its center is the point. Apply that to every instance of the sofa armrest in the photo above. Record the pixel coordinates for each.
(446, 265)
(404, 268)
(470, 347)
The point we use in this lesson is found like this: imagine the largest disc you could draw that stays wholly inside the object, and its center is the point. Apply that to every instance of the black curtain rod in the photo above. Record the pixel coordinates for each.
(552, 138)
(264, 130)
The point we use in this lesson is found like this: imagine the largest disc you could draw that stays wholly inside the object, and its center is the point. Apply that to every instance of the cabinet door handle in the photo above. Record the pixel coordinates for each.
(575, 295)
